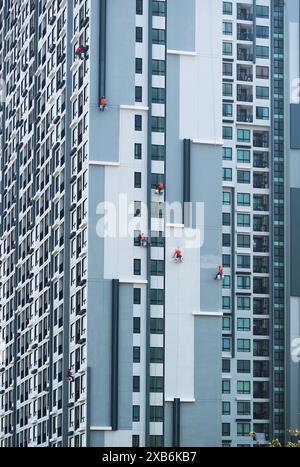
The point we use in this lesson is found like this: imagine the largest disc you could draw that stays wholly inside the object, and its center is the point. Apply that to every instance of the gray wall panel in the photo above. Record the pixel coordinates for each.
(295, 241)
(181, 25)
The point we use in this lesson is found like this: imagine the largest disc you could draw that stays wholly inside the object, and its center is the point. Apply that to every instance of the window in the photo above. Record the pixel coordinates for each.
(243, 241)
(157, 268)
(136, 354)
(227, 110)
(243, 262)
(158, 124)
(243, 136)
(243, 429)
(156, 441)
(262, 32)
(225, 365)
(139, 66)
(156, 384)
(156, 413)
(158, 67)
(137, 180)
(226, 198)
(227, 174)
(138, 94)
(243, 199)
(156, 355)
(157, 297)
(226, 344)
(135, 441)
(262, 92)
(138, 34)
(243, 345)
(243, 156)
(156, 326)
(243, 303)
(158, 152)
(227, 8)
(243, 387)
(243, 366)
(227, 154)
(226, 323)
(227, 132)
(226, 303)
(226, 261)
(158, 8)
(227, 50)
(262, 113)
(243, 324)
(262, 72)
(136, 325)
(158, 36)
(225, 429)
(136, 413)
(262, 11)
(226, 218)
(136, 267)
(138, 123)
(243, 282)
(139, 7)
(227, 69)
(138, 151)
(136, 384)
(158, 95)
(262, 51)
(227, 28)
(226, 240)
(225, 386)
(226, 408)
(136, 296)
(243, 408)
(243, 220)
(226, 282)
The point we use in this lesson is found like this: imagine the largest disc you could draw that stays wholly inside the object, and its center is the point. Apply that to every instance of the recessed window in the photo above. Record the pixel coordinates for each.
(227, 48)
(138, 123)
(156, 326)
(158, 124)
(227, 8)
(136, 354)
(227, 69)
(243, 345)
(243, 241)
(227, 110)
(156, 355)
(262, 72)
(226, 386)
(226, 240)
(243, 199)
(136, 325)
(158, 67)
(138, 151)
(138, 34)
(226, 408)
(158, 8)
(227, 154)
(139, 7)
(262, 92)
(226, 198)
(139, 65)
(226, 365)
(226, 218)
(136, 384)
(158, 95)
(136, 413)
(262, 113)
(226, 303)
(262, 11)
(243, 220)
(138, 94)
(243, 176)
(156, 413)
(243, 156)
(243, 387)
(226, 323)
(243, 136)
(262, 32)
(227, 132)
(158, 152)
(227, 28)
(225, 429)
(243, 366)
(137, 180)
(227, 89)
(158, 36)
(227, 174)
(137, 296)
(137, 267)
(226, 344)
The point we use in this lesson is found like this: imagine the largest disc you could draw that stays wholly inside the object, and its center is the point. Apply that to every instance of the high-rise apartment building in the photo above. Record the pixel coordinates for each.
(106, 338)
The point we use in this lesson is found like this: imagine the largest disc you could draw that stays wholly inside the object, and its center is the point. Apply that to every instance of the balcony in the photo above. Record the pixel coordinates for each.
(261, 224)
(245, 33)
(261, 244)
(260, 265)
(261, 160)
(244, 96)
(260, 203)
(261, 306)
(261, 348)
(261, 139)
(261, 369)
(244, 55)
(261, 180)
(261, 327)
(260, 390)
(244, 114)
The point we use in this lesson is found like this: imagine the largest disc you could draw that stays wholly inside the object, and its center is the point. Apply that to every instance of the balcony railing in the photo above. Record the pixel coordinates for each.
(245, 97)
(245, 15)
(241, 117)
(245, 36)
(245, 56)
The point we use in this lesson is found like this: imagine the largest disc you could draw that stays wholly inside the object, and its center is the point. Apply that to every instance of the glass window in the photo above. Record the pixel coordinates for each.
(226, 303)
(226, 198)
(139, 65)
(227, 28)
(243, 135)
(136, 325)
(136, 384)
(225, 429)
(226, 240)
(226, 323)
(226, 386)
(156, 326)
(227, 154)
(226, 344)
(136, 296)
(243, 156)
(158, 67)
(262, 11)
(156, 355)
(138, 151)
(226, 365)
(138, 94)
(262, 51)
(262, 113)
(138, 34)
(243, 345)
(262, 72)
(226, 282)
(158, 8)
(262, 92)
(136, 354)
(136, 413)
(158, 152)
(137, 267)
(156, 413)
(243, 366)
(243, 241)
(243, 408)
(227, 110)
(158, 36)
(243, 220)
(226, 261)
(158, 124)
(243, 282)
(227, 132)
(226, 408)
(156, 384)
(243, 199)
(139, 7)
(243, 429)
(158, 95)
(227, 8)
(243, 303)
(138, 123)
(243, 324)
(262, 32)
(137, 180)
(227, 50)
(227, 69)
(226, 218)
(243, 387)
(227, 174)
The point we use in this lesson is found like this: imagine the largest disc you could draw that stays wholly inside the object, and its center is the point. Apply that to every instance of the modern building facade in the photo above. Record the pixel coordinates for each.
(106, 341)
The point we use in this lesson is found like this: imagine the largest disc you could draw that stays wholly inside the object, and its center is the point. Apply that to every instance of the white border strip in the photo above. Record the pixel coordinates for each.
(210, 314)
(101, 428)
(105, 163)
(181, 52)
(175, 226)
(132, 281)
(187, 401)
(212, 143)
(134, 107)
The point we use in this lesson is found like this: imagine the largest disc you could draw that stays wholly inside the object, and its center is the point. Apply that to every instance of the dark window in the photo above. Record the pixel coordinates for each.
(137, 296)
(137, 180)
(136, 413)
(139, 7)
(226, 240)
(157, 297)
(158, 124)
(158, 95)
(158, 152)
(157, 268)
(226, 218)
(136, 325)
(137, 267)
(138, 94)
(158, 36)
(158, 67)
(137, 151)
(156, 413)
(135, 441)
(139, 34)
(243, 366)
(156, 384)
(138, 123)
(139, 65)
(158, 8)
(156, 326)
(225, 429)
(156, 355)
(136, 384)
(226, 365)
(136, 354)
